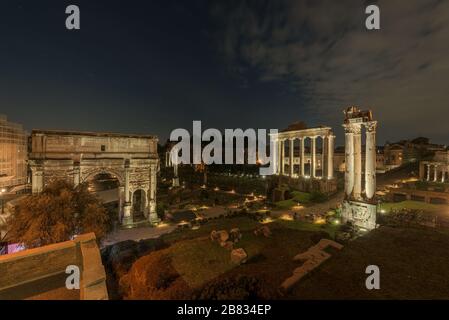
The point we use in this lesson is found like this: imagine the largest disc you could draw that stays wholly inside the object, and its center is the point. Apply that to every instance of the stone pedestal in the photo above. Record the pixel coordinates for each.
(127, 217)
(152, 217)
(361, 214)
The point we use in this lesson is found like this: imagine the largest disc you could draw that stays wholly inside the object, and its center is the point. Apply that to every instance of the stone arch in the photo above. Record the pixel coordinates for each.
(100, 170)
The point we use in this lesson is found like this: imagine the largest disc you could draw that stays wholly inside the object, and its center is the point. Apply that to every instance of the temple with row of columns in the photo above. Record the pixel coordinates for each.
(436, 170)
(306, 155)
(286, 162)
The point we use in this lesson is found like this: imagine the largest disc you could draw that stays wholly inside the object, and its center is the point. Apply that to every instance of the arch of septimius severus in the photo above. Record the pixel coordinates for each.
(359, 206)
(293, 165)
(80, 156)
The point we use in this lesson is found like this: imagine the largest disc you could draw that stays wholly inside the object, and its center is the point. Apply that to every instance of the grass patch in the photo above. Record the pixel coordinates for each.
(298, 196)
(302, 197)
(199, 260)
(243, 223)
(413, 205)
(307, 226)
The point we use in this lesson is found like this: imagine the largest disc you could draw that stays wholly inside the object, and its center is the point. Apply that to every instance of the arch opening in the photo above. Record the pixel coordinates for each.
(139, 205)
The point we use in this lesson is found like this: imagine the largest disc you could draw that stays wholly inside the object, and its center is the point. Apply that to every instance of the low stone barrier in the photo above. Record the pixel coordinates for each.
(19, 271)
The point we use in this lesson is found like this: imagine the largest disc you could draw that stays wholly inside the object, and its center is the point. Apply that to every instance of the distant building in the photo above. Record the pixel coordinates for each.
(435, 174)
(339, 159)
(13, 154)
(407, 151)
(436, 170)
(394, 155)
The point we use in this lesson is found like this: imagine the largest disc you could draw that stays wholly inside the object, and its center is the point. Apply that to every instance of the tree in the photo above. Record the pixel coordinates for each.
(57, 214)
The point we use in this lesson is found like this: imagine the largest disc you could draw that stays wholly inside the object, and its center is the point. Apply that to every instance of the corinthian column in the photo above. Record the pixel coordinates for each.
(349, 159)
(330, 157)
(357, 161)
(435, 174)
(301, 154)
(127, 218)
(428, 172)
(282, 156)
(278, 164)
(292, 144)
(313, 163)
(370, 160)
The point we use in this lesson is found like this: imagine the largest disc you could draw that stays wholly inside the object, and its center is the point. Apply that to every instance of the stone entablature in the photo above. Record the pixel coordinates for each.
(64, 144)
(79, 156)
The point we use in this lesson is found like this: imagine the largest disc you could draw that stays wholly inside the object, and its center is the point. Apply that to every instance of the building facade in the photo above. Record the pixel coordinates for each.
(13, 154)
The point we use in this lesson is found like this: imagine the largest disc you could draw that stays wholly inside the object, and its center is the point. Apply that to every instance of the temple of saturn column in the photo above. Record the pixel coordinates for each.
(307, 164)
(359, 206)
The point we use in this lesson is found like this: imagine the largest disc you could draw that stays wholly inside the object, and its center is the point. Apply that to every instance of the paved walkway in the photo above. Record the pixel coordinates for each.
(137, 234)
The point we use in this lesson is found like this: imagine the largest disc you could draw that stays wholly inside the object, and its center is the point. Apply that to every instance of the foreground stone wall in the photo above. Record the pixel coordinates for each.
(31, 272)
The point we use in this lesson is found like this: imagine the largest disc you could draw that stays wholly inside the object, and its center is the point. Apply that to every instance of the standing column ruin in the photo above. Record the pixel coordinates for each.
(291, 160)
(349, 160)
(370, 160)
(282, 156)
(330, 157)
(301, 160)
(357, 161)
(360, 209)
(313, 156)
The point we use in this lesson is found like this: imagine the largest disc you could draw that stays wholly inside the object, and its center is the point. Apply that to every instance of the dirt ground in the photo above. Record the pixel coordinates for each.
(413, 262)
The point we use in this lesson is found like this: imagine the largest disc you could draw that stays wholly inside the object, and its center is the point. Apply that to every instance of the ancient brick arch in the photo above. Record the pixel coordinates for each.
(78, 156)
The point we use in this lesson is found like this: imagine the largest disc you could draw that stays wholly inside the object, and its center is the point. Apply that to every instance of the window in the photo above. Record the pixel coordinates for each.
(103, 148)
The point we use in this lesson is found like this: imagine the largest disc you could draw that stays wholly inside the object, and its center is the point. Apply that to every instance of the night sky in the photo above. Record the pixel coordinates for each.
(152, 66)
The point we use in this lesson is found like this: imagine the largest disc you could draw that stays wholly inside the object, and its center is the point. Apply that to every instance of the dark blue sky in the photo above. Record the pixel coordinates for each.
(153, 66)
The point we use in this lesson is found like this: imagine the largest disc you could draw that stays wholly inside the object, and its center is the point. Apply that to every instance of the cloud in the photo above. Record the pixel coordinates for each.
(322, 49)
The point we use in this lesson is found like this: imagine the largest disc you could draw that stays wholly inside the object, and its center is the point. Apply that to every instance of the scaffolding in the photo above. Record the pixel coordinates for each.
(13, 154)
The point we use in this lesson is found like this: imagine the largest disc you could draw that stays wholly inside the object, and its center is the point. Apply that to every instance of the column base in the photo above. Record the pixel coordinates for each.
(175, 182)
(127, 217)
(154, 219)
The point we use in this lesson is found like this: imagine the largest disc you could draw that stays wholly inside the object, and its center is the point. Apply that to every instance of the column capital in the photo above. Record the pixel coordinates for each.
(354, 128)
(371, 126)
